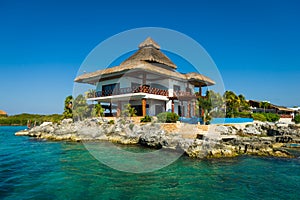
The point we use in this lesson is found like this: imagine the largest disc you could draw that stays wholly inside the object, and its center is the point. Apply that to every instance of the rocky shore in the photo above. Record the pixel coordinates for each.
(261, 139)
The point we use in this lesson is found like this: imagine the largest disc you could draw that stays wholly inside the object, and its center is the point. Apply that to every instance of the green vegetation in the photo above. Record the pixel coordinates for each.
(22, 119)
(68, 108)
(147, 118)
(167, 117)
(129, 111)
(264, 104)
(111, 121)
(98, 111)
(235, 104)
(297, 119)
(270, 117)
(259, 117)
(81, 109)
(131, 126)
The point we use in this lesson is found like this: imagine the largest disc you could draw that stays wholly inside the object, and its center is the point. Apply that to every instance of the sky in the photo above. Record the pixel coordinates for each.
(255, 44)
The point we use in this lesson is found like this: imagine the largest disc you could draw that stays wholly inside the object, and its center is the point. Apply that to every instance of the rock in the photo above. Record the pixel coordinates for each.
(46, 124)
(251, 130)
(22, 133)
(66, 121)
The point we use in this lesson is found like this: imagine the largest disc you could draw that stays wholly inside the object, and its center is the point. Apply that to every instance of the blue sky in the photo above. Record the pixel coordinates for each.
(255, 44)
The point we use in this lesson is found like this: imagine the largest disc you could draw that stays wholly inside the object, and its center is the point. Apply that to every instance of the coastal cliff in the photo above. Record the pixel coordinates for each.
(214, 141)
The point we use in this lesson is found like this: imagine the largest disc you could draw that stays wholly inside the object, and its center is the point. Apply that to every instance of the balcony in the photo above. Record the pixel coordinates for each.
(141, 89)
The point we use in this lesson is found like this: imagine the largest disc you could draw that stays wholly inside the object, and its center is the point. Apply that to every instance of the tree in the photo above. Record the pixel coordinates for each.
(206, 105)
(244, 105)
(68, 108)
(129, 111)
(90, 93)
(81, 109)
(264, 104)
(232, 103)
(98, 110)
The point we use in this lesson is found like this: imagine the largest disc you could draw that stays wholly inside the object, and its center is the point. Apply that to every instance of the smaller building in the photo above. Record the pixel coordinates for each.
(282, 111)
(3, 113)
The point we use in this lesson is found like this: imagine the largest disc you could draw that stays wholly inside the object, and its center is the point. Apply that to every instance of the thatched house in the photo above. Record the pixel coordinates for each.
(284, 112)
(148, 80)
(3, 113)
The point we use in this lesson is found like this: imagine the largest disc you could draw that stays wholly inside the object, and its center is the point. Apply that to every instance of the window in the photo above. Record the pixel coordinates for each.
(110, 89)
(135, 85)
(176, 88)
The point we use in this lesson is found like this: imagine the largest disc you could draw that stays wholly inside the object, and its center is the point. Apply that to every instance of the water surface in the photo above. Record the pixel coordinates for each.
(36, 169)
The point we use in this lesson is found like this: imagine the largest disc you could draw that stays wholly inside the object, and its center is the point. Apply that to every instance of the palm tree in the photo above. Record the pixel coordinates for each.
(264, 104)
(98, 110)
(80, 107)
(68, 107)
(232, 103)
(90, 93)
(206, 105)
(129, 111)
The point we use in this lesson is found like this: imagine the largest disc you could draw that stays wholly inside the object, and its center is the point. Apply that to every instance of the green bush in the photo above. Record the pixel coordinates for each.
(243, 114)
(259, 117)
(147, 118)
(22, 119)
(111, 121)
(167, 117)
(271, 117)
(131, 126)
(297, 119)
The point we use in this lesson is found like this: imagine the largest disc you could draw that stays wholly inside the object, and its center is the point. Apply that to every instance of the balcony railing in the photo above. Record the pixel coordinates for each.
(128, 90)
(141, 89)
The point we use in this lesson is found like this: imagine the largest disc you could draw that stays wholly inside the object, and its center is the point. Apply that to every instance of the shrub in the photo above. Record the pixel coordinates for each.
(297, 119)
(111, 121)
(271, 117)
(131, 126)
(167, 117)
(147, 118)
(259, 117)
(243, 114)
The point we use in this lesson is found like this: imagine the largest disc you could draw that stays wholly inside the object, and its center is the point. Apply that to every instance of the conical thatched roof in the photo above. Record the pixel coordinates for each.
(193, 78)
(149, 51)
(149, 59)
(149, 42)
(2, 112)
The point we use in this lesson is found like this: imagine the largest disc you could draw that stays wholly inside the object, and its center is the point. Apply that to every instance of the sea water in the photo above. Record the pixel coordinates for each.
(37, 169)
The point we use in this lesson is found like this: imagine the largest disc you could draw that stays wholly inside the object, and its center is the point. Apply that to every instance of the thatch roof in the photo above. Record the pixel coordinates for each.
(149, 51)
(149, 42)
(2, 112)
(149, 59)
(193, 78)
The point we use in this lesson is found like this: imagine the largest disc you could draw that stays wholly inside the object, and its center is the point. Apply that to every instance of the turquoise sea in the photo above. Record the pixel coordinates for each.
(35, 169)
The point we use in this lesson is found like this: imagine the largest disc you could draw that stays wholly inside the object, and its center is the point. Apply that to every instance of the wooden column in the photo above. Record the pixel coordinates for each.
(173, 106)
(119, 109)
(194, 108)
(200, 90)
(144, 78)
(189, 109)
(144, 107)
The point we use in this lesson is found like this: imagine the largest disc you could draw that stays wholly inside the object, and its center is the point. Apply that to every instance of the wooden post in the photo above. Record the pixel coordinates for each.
(119, 109)
(200, 90)
(144, 78)
(194, 108)
(189, 109)
(144, 107)
(172, 106)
